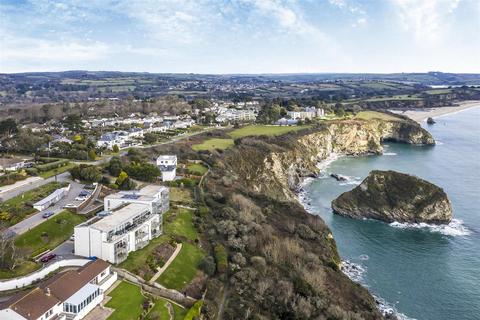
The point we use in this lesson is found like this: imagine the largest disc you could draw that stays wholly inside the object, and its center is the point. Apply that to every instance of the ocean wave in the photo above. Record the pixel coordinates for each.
(454, 228)
(389, 154)
(356, 273)
(351, 182)
(323, 165)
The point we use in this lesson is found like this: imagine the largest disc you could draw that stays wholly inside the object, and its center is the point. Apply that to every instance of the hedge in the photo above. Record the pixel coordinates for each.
(52, 165)
(221, 258)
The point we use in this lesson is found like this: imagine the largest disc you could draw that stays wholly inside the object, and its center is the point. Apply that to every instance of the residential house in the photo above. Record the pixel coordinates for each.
(69, 295)
(168, 166)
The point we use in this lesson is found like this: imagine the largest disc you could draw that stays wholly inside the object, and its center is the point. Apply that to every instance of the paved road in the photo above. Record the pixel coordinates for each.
(8, 194)
(37, 218)
(65, 250)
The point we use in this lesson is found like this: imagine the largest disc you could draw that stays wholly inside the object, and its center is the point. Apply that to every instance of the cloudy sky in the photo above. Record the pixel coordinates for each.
(240, 36)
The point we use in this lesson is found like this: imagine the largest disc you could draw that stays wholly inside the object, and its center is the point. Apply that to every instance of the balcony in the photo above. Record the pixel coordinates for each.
(141, 244)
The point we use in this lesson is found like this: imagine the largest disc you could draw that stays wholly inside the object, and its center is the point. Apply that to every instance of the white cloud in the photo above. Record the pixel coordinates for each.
(427, 19)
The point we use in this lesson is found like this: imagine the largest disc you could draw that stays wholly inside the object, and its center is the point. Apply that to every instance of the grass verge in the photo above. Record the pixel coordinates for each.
(48, 234)
(212, 144)
(261, 130)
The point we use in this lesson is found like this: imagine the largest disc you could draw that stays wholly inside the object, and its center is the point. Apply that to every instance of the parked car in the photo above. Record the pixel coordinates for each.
(47, 214)
(48, 257)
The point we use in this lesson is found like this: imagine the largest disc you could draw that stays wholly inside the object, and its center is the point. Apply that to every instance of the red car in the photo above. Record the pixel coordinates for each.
(48, 257)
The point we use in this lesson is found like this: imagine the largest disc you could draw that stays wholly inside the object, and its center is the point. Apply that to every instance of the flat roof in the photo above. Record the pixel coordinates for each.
(147, 193)
(167, 157)
(119, 217)
(152, 190)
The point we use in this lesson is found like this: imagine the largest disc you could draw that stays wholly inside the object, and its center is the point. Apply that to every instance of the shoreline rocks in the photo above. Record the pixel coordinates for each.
(392, 196)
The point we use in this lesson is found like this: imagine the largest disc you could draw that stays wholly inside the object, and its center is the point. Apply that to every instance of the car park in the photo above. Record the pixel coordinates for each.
(48, 257)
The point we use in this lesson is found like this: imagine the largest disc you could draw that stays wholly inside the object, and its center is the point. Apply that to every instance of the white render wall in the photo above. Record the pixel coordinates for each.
(169, 175)
(9, 314)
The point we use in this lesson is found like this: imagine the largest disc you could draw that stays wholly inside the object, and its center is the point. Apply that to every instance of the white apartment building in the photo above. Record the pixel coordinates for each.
(168, 166)
(135, 218)
(69, 295)
(226, 115)
(307, 113)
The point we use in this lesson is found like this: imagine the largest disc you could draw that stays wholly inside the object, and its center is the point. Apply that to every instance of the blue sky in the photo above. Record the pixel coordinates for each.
(240, 36)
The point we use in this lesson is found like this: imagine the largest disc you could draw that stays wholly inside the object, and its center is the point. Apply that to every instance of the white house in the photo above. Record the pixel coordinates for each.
(168, 166)
(68, 295)
(307, 113)
(135, 218)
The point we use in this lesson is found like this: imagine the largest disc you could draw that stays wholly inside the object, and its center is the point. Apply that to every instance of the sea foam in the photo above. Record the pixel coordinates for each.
(454, 228)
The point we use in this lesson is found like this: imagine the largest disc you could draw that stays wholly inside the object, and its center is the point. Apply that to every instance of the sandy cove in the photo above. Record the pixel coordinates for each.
(422, 114)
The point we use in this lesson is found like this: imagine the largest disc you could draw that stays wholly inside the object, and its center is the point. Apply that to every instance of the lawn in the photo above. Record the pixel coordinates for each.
(183, 269)
(182, 195)
(48, 234)
(197, 168)
(51, 173)
(127, 300)
(257, 130)
(212, 144)
(159, 310)
(369, 115)
(137, 259)
(16, 209)
(180, 223)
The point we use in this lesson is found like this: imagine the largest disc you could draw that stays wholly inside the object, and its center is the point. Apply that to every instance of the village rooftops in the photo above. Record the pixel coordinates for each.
(120, 217)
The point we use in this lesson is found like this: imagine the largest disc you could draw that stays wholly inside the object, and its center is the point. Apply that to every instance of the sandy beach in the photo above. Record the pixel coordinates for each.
(422, 114)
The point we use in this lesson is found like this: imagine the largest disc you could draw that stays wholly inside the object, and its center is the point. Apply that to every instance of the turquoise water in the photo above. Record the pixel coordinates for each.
(424, 273)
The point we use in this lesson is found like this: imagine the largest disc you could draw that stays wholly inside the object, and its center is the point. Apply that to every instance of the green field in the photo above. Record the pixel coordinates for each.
(159, 310)
(48, 234)
(369, 115)
(181, 224)
(17, 208)
(183, 269)
(197, 168)
(399, 97)
(213, 144)
(127, 301)
(262, 130)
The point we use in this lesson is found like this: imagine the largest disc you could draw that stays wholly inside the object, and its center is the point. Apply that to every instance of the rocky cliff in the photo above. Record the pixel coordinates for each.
(280, 168)
(392, 196)
(282, 261)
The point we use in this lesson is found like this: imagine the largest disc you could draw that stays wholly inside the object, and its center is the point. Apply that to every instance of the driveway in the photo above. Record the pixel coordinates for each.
(37, 218)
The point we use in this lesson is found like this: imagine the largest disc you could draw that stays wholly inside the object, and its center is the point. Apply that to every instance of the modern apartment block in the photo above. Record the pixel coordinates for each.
(69, 295)
(133, 219)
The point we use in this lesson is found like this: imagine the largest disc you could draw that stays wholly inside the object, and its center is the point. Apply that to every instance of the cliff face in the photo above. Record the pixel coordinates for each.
(279, 172)
(282, 261)
(392, 196)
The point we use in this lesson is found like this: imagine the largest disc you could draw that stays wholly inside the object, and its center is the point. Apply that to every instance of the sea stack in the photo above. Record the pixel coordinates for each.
(430, 120)
(393, 196)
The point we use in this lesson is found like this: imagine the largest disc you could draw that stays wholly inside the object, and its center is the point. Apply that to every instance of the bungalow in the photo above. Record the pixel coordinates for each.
(68, 295)
(12, 164)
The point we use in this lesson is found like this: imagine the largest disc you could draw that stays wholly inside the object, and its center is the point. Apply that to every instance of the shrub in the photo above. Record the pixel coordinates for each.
(221, 258)
(52, 165)
(115, 148)
(207, 265)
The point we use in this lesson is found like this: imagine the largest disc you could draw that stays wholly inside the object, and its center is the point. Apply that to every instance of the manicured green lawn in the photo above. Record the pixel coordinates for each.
(127, 301)
(51, 173)
(181, 225)
(159, 310)
(368, 115)
(197, 168)
(212, 144)
(16, 209)
(48, 234)
(257, 130)
(183, 269)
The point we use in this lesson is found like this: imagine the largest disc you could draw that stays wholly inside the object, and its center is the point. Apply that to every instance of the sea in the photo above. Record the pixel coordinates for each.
(417, 271)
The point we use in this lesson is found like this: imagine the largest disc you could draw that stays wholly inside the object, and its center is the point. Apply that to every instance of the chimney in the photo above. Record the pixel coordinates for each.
(47, 291)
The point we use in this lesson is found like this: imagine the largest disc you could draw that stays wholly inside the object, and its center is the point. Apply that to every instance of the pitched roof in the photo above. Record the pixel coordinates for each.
(33, 304)
(64, 285)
